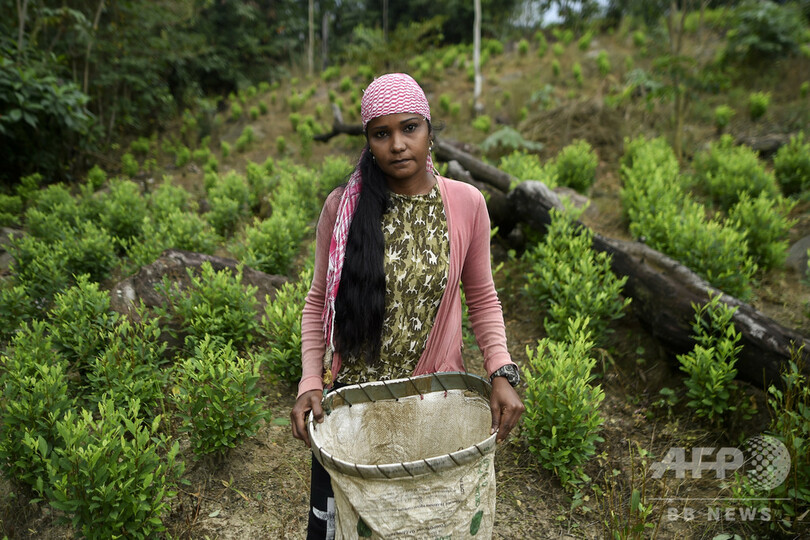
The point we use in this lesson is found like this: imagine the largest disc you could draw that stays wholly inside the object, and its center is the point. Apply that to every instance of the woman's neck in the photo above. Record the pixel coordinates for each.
(417, 186)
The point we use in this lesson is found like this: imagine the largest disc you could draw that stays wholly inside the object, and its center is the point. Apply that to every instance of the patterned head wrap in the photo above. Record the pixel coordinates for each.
(393, 93)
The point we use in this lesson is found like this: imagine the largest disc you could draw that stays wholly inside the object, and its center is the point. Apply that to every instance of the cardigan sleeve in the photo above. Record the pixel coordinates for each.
(486, 314)
(313, 345)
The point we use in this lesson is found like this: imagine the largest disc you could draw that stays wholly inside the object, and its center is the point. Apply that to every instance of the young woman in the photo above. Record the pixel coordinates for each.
(392, 247)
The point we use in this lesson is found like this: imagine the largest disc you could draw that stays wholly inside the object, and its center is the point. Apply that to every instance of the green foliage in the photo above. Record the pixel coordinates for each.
(183, 157)
(765, 222)
(96, 177)
(710, 370)
(281, 327)
(603, 63)
(140, 146)
(281, 144)
(39, 267)
(763, 31)
(225, 149)
(17, 307)
(218, 399)
(523, 47)
(804, 89)
(726, 172)
(201, 155)
(576, 165)
(639, 39)
(722, 116)
(45, 122)
(661, 212)
(525, 166)
(791, 165)
(129, 165)
(108, 473)
(11, 206)
(270, 245)
(509, 139)
(129, 367)
(758, 103)
(346, 84)
(254, 112)
(584, 42)
(483, 123)
(123, 210)
(562, 423)
(331, 73)
(576, 69)
(569, 279)
(558, 49)
(455, 109)
(305, 139)
(175, 230)
(262, 108)
(245, 139)
(216, 304)
(555, 67)
(444, 102)
(34, 385)
(229, 202)
(81, 320)
(236, 112)
(542, 43)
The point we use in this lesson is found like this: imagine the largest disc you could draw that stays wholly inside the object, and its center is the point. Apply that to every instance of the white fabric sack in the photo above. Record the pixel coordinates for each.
(411, 458)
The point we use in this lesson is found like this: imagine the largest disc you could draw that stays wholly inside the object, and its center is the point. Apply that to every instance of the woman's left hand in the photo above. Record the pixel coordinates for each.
(506, 408)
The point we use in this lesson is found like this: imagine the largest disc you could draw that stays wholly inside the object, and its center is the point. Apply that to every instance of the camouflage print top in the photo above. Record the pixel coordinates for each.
(417, 260)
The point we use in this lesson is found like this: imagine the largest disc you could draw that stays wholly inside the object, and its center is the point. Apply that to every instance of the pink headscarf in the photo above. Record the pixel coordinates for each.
(393, 93)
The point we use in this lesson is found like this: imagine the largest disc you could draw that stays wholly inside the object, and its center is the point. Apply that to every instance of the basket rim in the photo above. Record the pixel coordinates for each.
(393, 390)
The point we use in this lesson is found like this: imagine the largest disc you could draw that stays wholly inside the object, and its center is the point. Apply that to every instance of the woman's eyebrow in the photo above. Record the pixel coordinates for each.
(411, 119)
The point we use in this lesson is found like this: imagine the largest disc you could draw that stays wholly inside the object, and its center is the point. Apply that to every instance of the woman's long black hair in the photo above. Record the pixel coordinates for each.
(360, 301)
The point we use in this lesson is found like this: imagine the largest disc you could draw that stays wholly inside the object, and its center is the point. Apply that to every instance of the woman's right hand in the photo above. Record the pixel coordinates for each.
(308, 401)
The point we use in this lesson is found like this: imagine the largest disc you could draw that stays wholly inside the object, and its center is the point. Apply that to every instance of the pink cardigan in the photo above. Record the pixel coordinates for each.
(468, 224)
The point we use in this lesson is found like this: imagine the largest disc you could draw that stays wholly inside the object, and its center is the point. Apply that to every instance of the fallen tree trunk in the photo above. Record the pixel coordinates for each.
(663, 291)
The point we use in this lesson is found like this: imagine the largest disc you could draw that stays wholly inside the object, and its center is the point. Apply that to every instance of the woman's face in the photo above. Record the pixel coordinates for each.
(400, 143)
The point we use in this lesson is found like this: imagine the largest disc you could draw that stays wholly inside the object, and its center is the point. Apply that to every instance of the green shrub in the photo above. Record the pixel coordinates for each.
(262, 108)
(271, 245)
(176, 230)
(758, 103)
(305, 139)
(764, 221)
(726, 171)
(140, 146)
(804, 89)
(201, 155)
(483, 123)
(524, 166)
(492, 46)
(34, 386)
(555, 67)
(455, 109)
(218, 400)
(509, 139)
(710, 370)
(112, 475)
(254, 112)
(562, 423)
(639, 39)
(365, 72)
(542, 43)
(11, 206)
(576, 165)
(123, 210)
(330, 73)
(17, 308)
(791, 165)
(722, 116)
(281, 144)
(281, 327)
(167, 199)
(345, 84)
(129, 165)
(96, 177)
(183, 156)
(603, 63)
(90, 251)
(129, 367)
(225, 149)
(81, 320)
(229, 202)
(576, 69)
(568, 278)
(236, 111)
(763, 31)
(660, 211)
(264, 87)
(444, 102)
(584, 42)
(40, 267)
(244, 140)
(214, 303)
(558, 49)
(523, 47)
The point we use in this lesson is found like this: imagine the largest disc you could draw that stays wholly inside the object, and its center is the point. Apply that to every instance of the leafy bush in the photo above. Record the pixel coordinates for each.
(483, 123)
(183, 156)
(34, 385)
(509, 139)
(763, 31)
(330, 73)
(558, 49)
(129, 165)
(525, 166)
(215, 303)
(81, 320)
(722, 116)
(523, 47)
(244, 140)
(710, 365)
(129, 367)
(346, 84)
(17, 307)
(639, 39)
(177, 230)
(270, 245)
(236, 112)
(96, 177)
(791, 165)
(576, 165)
(555, 67)
(584, 42)
(758, 103)
(40, 267)
(562, 423)
(218, 399)
(569, 279)
(229, 200)
(661, 212)
(167, 199)
(90, 250)
(764, 221)
(11, 206)
(281, 327)
(108, 474)
(123, 210)
(305, 139)
(726, 171)
(576, 69)
(603, 63)
(281, 144)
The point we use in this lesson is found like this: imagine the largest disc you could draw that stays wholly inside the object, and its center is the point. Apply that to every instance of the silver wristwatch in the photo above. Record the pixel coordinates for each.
(510, 371)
